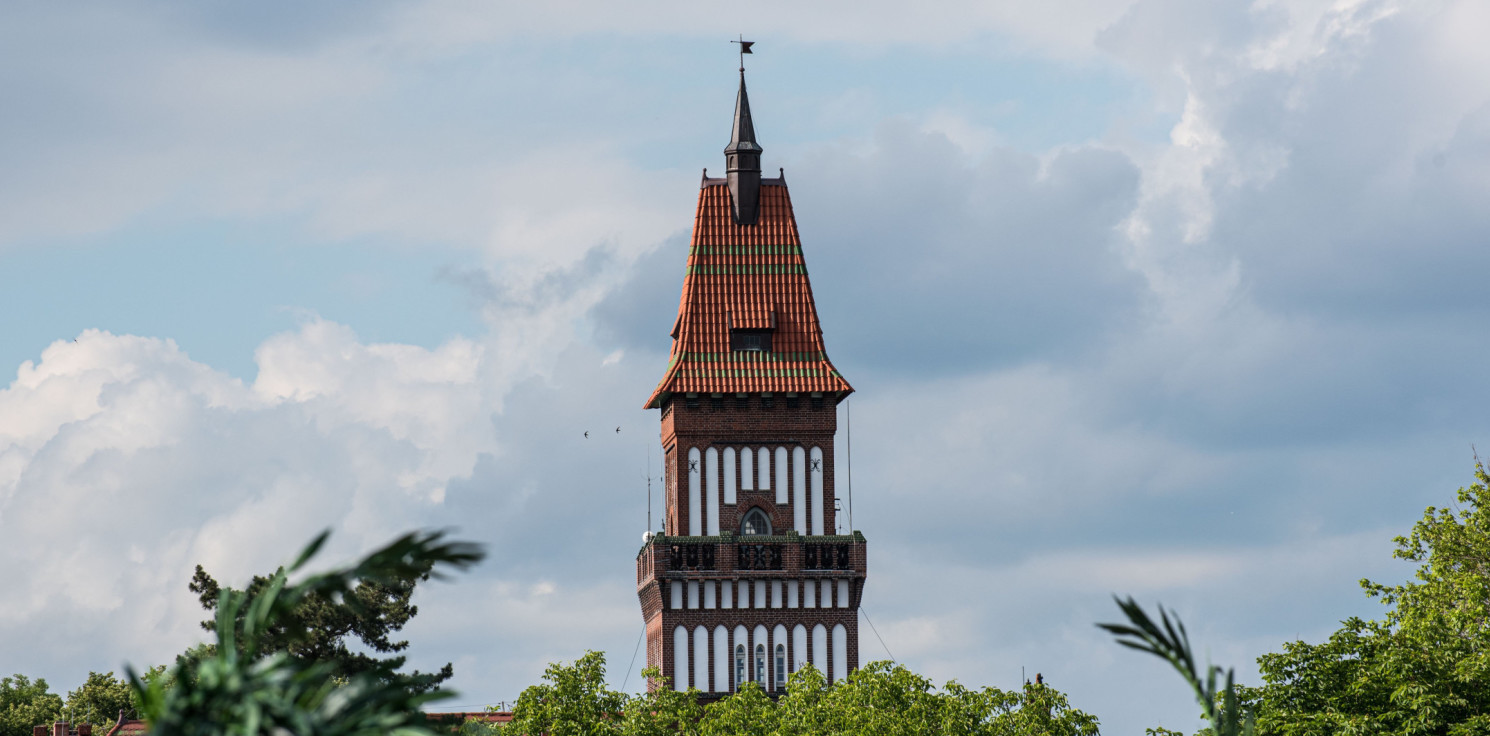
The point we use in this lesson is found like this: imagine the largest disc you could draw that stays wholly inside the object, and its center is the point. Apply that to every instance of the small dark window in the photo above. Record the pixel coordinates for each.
(716, 403)
(752, 341)
(792, 402)
(817, 402)
(742, 402)
(767, 402)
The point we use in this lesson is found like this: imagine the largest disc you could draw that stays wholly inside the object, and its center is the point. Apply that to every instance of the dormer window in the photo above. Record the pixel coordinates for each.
(750, 341)
(756, 524)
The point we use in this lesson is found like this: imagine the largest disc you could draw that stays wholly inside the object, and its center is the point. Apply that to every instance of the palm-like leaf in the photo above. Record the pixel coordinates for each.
(1171, 643)
(233, 690)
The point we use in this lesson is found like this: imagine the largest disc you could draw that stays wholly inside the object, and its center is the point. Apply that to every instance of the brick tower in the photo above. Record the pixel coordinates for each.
(753, 576)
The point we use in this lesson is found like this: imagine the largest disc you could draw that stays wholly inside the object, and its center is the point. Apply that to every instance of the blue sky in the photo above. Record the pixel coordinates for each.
(1166, 298)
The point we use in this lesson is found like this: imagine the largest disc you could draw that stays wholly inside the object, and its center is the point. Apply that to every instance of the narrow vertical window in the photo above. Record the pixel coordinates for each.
(815, 474)
(840, 652)
(695, 493)
(721, 659)
(760, 664)
(764, 466)
(711, 491)
(799, 470)
(729, 475)
(747, 469)
(701, 658)
(780, 666)
(820, 648)
(739, 665)
(799, 647)
(680, 659)
(799, 493)
(781, 470)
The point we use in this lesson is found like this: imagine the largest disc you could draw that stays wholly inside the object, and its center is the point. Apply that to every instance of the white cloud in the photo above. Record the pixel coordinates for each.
(126, 463)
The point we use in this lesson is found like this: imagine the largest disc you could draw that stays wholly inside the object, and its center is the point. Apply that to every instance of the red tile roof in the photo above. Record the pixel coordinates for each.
(751, 277)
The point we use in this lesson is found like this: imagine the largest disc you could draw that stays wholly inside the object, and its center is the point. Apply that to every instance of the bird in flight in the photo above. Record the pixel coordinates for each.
(587, 434)
(618, 430)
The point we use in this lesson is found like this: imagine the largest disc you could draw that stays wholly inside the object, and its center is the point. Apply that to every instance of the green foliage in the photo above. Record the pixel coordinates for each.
(748, 712)
(1172, 644)
(574, 701)
(663, 711)
(319, 629)
(881, 699)
(239, 688)
(100, 700)
(1424, 668)
(25, 703)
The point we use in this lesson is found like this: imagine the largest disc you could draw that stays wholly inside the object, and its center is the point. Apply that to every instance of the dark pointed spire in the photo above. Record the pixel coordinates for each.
(742, 162)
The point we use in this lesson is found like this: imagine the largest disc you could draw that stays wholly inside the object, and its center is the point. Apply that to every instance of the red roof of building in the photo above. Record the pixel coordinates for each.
(751, 277)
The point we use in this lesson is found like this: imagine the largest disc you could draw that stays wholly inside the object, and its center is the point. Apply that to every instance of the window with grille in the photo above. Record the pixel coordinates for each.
(739, 665)
(755, 524)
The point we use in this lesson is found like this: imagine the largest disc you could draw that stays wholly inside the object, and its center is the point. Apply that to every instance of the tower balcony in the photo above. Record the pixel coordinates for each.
(789, 555)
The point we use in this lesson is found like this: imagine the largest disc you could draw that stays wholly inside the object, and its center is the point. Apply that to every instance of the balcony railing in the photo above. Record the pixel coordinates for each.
(692, 556)
(758, 557)
(827, 557)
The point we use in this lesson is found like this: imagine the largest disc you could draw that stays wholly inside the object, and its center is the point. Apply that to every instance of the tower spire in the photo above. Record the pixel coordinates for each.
(742, 160)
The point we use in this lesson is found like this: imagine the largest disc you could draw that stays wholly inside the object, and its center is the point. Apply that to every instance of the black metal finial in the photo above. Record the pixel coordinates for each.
(742, 157)
(744, 49)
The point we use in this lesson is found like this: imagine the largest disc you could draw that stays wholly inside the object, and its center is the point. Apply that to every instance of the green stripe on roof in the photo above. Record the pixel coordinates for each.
(711, 269)
(775, 249)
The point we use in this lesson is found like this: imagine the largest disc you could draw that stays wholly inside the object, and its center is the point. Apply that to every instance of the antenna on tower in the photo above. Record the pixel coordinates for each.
(849, 408)
(649, 489)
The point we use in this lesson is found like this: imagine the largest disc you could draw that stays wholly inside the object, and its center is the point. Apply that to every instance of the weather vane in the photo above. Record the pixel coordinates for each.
(744, 49)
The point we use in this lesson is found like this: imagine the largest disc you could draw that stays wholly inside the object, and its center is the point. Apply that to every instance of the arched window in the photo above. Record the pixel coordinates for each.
(755, 524)
(739, 665)
(760, 663)
(780, 666)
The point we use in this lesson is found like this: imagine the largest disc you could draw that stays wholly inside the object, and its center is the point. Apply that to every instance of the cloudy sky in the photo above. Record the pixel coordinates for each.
(1167, 298)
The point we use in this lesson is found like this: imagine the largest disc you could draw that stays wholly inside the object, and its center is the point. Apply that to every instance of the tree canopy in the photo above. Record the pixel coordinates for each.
(319, 629)
(883, 699)
(25, 703)
(100, 700)
(240, 687)
(1424, 668)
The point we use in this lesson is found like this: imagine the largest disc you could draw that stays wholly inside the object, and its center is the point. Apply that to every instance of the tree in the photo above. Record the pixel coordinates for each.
(238, 688)
(574, 701)
(370, 613)
(100, 700)
(25, 703)
(877, 700)
(1424, 668)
